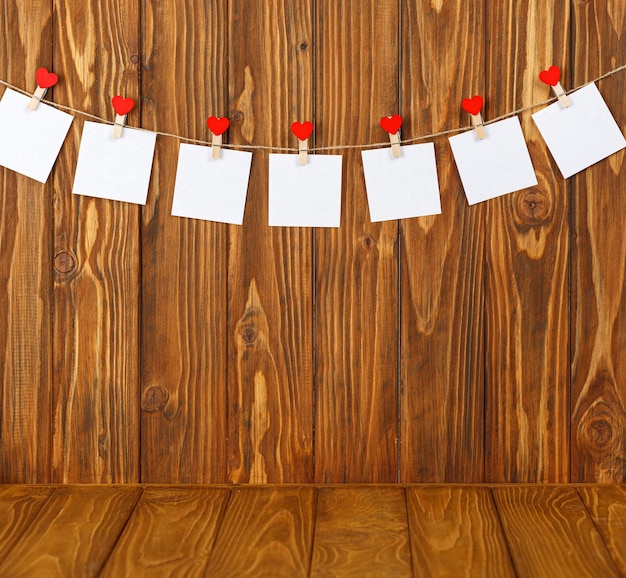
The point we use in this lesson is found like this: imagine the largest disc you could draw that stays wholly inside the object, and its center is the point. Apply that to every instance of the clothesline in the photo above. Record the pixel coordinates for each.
(252, 147)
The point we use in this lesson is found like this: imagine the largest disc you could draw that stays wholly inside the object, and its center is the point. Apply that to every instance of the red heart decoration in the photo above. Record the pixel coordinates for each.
(472, 105)
(217, 125)
(391, 124)
(550, 76)
(45, 79)
(302, 130)
(121, 105)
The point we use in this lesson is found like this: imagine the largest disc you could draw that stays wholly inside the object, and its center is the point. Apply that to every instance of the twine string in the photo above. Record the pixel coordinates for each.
(252, 147)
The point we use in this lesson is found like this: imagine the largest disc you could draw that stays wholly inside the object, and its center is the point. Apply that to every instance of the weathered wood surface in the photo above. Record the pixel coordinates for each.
(527, 262)
(455, 532)
(356, 299)
(550, 533)
(442, 257)
(598, 311)
(361, 532)
(95, 385)
(483, 344)
(25, 270)
(184, 261)
(305, 530)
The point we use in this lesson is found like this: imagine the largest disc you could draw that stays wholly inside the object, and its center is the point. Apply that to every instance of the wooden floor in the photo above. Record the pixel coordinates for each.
(291, 531)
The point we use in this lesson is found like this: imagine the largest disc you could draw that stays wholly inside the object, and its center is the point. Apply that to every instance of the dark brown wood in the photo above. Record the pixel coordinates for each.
(73, 533)
(170, 533)
(356, 266)
(550, 533)
(527, 262)
(266, 532)
(361, 532)
(25, 268)
(455, 532)
(270, 282)
(184, 261)
(598, 314)
(442, 288)
(95, 401)
(607, 507)
(19, 505)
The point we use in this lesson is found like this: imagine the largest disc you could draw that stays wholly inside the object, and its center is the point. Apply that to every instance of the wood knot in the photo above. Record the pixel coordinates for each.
(533, 206)
(249, 334)
(304, 46)
(368, 242)
(237, 116)
(134, 58)
(154, 399)
(64, 262)
(597, 434)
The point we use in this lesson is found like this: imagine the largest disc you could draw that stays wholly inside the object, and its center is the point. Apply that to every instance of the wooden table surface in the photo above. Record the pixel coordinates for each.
(304, 530)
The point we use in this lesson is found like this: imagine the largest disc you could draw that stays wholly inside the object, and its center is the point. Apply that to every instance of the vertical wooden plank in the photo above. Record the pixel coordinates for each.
(25, 268)
(270, 290)
(442, 288)
(455, 532)
(170, 533)
(266, 532)
(183, 389)
(73, 534)
(361, 532)
(607, 507)
(19, 506)
(96, 297)
(598, 313)
(356, 297)
(550, 533)
(527, 262)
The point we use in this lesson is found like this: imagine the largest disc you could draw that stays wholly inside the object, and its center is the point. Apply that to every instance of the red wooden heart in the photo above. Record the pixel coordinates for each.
(121, 105)
(550, 76)
(391, 124)
(302, 130)
(45, 79)
(472, 105)
(217, 125)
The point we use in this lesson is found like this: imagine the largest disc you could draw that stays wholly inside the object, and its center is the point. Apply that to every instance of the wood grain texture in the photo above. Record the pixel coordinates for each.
(361, 532)
(598, 320)
(170, 533)
(607, 507)
(550, 533)
(270, 282)
(442, 288)
(184, 261)
(356, 298)
(455, 532)
(25, 268)
(73, 534)
(527, 263)
(266, 533)
(19, 505)
(96, 291)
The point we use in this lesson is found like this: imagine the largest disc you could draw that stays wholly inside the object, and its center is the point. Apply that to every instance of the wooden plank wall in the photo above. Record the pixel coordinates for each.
(482, 345)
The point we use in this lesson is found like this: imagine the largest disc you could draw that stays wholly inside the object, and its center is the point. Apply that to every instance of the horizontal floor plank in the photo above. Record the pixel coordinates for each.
(455, 532)
(550, 533)
(171, 533)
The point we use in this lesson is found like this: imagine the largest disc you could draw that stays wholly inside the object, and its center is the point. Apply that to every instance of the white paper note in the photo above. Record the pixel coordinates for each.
(305, 195)
(581, 134)
(30, 140)
(114, 168)
(404, 187)
(496, 165)
(211, 189)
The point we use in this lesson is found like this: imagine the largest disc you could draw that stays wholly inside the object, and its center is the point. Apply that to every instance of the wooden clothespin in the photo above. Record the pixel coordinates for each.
(302, 130)
(218, 126)
(392, 124)
(122, 107)
(552, 77)
(45, 80)
(473, 106)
